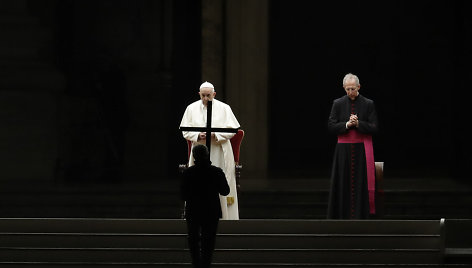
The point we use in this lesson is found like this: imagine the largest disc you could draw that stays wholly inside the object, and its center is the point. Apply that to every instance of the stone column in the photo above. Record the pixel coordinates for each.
(235, 60)
(246, 78)
(212, 45)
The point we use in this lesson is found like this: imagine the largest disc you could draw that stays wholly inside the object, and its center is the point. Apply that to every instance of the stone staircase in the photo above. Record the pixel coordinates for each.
(297, 198)
(78, 242)
(31, 199)
(404, 198)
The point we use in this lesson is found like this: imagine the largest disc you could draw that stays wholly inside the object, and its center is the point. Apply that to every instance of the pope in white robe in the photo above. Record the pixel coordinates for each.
(221, 153)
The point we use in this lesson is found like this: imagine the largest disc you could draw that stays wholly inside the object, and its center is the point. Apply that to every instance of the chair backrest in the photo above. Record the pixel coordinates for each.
(235, 143)
(189, 148)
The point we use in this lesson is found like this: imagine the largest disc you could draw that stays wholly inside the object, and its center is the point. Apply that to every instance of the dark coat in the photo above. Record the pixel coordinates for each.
(201, 186)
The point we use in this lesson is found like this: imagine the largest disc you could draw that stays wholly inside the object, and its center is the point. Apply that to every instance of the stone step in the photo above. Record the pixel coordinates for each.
(227, 241)
(257, 200)
(396, 256)
(104, 198)
(150, 207)
(225, 265)
(458, 255)
(243, 243)
(173, 211)
(251, 226)
(450, 197)
(100, 212)
(160, 199)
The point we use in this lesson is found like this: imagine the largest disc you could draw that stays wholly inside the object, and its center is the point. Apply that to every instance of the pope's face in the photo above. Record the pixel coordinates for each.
(352, 89)
(206, 94)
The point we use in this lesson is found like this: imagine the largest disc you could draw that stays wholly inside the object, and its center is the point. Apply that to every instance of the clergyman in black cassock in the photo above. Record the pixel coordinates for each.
(352, 114)
(201, 186)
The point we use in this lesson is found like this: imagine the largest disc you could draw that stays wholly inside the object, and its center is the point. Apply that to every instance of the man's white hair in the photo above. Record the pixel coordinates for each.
(351, 76)
(208, 85)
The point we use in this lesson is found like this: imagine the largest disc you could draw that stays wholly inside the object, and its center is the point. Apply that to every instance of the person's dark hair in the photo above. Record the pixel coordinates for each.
(200, 153)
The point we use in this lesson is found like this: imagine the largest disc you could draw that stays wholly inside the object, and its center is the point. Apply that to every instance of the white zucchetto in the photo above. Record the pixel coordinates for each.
(207, 84)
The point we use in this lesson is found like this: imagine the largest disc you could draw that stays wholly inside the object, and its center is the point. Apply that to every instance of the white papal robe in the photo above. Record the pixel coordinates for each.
(221, 153)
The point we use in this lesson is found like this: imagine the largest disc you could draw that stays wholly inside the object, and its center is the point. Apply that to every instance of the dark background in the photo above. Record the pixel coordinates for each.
(128, 69)
(412, 58)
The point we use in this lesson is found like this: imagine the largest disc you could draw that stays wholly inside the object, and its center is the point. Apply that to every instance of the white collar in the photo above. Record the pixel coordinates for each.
(203, 106)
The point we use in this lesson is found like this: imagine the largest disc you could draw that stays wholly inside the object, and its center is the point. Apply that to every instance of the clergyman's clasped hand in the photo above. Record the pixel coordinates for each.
(353, 121)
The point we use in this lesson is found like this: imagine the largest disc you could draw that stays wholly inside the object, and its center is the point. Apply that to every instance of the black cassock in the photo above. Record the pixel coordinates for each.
(349, 196)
